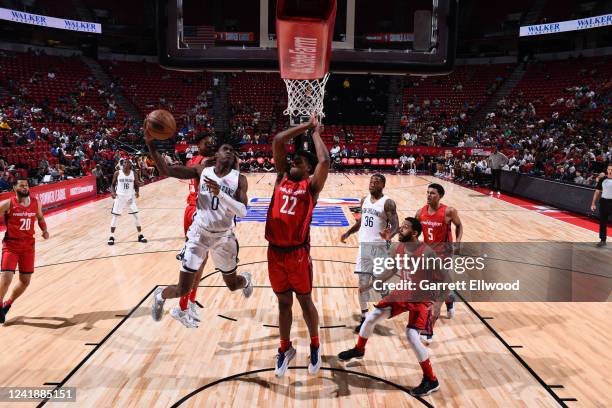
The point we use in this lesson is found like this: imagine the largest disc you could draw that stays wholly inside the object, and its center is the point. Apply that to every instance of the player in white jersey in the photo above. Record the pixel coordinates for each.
(124, 191)
(377, 225)
(222, 195)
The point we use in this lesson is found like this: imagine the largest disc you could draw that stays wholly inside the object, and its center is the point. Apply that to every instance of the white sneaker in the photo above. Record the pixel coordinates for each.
(183, 317)
(498, 194)
(491, 193)
(316, 358)
(192, 310)
(157, 308)
(247, 291)
(283, 360)
(450, 313)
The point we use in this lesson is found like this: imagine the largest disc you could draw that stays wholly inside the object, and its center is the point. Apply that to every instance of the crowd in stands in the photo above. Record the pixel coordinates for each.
(555, 124)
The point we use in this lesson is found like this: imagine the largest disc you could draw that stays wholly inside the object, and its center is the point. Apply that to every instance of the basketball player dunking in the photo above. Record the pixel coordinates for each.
(397, 302)
(18, 245)
(124, 191)
(205, 144)
(222, 195)
(377, 225)
(436, 219)
(296, 191)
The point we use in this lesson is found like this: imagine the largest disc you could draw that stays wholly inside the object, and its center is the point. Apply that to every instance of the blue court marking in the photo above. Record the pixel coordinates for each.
(322, 216)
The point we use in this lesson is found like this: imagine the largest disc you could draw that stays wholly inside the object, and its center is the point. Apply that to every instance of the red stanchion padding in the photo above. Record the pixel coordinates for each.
(304, 43)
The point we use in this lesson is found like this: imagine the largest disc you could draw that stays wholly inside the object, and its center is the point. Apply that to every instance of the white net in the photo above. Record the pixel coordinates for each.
(305, 96)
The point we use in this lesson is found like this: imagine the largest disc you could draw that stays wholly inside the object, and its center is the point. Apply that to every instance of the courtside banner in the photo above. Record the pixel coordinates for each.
(52, 22)
(63, 192)
(563, 26)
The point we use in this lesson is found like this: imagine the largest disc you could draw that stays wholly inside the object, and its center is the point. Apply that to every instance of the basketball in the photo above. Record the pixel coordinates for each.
(161, 124)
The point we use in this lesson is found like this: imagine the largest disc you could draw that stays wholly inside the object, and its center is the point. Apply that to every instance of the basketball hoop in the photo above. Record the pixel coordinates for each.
(304, 52)
(305, 96)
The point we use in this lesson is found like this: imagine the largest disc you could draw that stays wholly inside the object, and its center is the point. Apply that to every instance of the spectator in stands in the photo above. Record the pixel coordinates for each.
(4, 183)
(268, 167)
(335, 151)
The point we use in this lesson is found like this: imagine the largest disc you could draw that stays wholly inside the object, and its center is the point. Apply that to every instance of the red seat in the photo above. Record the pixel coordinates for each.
(374, 162)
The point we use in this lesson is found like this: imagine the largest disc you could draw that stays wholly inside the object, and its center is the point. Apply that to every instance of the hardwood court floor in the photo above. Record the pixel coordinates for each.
(85, 322)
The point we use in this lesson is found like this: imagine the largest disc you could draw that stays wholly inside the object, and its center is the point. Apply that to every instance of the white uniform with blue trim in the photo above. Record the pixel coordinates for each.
(213, 226)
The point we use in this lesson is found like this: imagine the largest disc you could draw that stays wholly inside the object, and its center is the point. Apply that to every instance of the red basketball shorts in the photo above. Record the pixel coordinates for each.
(291, 270)
(24, 257)
(420, 313)
(190, 212)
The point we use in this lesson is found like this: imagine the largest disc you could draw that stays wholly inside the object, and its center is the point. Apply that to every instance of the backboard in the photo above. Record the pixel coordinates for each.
(387, 37)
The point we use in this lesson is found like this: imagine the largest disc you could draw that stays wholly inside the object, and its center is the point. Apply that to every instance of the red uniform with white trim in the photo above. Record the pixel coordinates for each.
(192, 198)
(288, 232)
(435, 227)
(18, 243)
(420, 313)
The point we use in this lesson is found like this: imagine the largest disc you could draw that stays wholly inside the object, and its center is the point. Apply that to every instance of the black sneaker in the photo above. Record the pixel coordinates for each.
(142, 239)
(426, 387)
(351, 353)
(358, 328)
(3, 312)
(111, 241)
(601, 244)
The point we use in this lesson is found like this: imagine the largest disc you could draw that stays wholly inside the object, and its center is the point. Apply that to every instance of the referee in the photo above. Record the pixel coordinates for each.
(603, 189)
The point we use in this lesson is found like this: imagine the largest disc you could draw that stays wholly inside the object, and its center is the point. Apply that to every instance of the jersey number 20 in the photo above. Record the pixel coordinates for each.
(291, 210)
(25, 224)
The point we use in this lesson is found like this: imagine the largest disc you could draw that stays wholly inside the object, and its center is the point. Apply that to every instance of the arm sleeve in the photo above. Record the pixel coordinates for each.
(234, 206)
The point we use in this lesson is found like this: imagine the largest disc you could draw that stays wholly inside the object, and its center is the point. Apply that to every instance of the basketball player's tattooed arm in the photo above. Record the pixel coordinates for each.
(318, 179)
(393, 227)
(179, 172)
(453, 216)
(114, 185)
(41, 222)
(354, 228)
(279, 153)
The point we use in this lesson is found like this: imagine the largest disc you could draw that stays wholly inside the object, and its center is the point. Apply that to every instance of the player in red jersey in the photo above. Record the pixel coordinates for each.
(18, 243)
(296, 191)
(401, 301)
(206, 145)
(436, 219)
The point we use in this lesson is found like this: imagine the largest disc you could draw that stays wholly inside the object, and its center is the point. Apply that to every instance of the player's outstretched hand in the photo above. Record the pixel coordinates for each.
(213, 186)
(313, 121)
(386, 234)
(46, 234)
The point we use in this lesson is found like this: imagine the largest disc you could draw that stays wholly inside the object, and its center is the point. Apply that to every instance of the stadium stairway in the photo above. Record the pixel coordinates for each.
(221, 104)
(101, 76)
(387, 144)
(503, 91)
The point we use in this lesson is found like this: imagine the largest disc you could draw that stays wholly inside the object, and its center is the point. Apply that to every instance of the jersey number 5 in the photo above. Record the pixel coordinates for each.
(25, 224)
(430, 234)
(291, 210)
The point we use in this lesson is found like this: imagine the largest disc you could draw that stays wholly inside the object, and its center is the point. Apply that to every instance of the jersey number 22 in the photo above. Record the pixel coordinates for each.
(291, 210)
